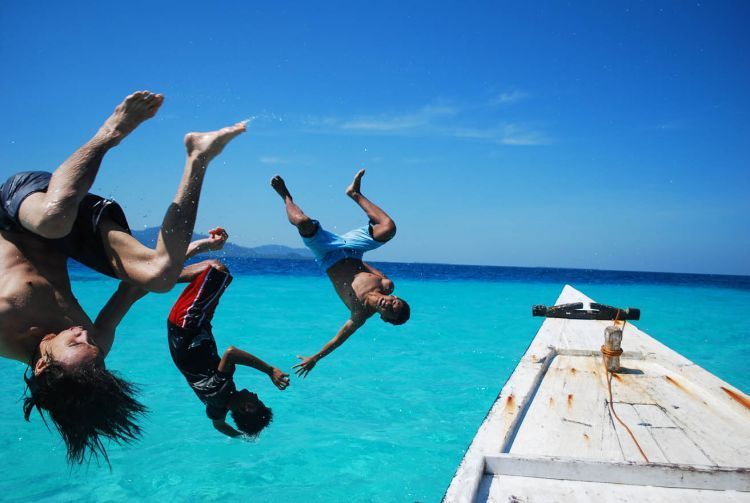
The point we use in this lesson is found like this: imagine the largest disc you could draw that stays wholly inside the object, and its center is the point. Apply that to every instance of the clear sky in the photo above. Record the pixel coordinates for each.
(608, 135)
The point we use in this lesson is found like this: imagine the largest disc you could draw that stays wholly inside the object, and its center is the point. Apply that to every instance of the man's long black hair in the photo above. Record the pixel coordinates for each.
(85, 404)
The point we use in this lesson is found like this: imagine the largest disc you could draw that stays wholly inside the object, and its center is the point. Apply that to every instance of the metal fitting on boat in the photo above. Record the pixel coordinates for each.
(611, 349)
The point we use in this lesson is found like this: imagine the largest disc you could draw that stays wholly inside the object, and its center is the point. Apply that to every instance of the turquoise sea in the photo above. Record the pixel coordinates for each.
(386, 418)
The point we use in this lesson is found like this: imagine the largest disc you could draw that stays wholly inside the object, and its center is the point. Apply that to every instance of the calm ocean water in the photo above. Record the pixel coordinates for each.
(386, 418)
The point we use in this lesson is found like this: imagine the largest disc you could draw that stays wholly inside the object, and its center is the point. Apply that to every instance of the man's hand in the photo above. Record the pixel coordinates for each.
(224, 428)
(217, 238)
(279, 378)
(386, 286)
(307, 364)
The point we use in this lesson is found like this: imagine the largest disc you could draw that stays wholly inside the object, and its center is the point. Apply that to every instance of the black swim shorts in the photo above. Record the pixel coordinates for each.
(192, 344)
(84, 243)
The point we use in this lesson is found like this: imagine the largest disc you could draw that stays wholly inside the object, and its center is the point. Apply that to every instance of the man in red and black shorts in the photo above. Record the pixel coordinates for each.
(193, 349)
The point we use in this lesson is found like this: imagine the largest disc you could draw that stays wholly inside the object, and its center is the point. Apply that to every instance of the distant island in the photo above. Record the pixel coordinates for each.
(148, 237)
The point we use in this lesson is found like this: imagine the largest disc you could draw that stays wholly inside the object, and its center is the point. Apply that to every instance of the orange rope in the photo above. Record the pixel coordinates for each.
(612, 408)
(608, 352)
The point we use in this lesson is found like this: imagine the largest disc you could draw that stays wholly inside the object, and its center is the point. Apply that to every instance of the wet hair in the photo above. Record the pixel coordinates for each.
(252, 419)
(403, 314)
(85, 404)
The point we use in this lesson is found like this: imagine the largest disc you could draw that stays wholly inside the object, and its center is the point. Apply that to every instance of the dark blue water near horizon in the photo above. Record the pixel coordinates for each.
(453, 272)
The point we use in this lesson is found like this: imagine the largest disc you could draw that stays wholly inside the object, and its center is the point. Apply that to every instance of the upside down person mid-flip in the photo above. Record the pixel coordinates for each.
(364, 289)
(193, 350)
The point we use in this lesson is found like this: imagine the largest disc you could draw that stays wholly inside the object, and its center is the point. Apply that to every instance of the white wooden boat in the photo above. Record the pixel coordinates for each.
(551, 436)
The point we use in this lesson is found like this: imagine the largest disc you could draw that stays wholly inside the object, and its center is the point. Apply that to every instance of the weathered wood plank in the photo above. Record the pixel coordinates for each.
(642, 434)
(642, 474)
(512, 489)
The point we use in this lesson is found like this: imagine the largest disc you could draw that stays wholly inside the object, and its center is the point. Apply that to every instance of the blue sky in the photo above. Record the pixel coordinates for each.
(582, 134)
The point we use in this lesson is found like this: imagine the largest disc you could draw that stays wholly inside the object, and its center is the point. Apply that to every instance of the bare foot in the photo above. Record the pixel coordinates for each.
(206, 146)
(280, 187)
(353, 189)
(135, 109)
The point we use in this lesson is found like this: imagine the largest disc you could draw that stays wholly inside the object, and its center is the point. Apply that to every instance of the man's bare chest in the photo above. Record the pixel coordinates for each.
(34, 304)
(354, 293)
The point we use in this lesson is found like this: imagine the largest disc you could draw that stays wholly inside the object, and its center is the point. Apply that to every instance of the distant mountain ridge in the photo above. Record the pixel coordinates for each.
(149, 235)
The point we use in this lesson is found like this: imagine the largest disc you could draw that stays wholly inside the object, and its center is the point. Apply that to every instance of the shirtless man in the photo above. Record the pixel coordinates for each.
(47, 218)
(364, 289)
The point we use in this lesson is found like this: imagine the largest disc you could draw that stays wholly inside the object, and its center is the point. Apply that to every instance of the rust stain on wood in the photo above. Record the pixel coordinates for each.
(570, 400)
(742, 399)
(675, 383)
(572, 370)
(551, 401)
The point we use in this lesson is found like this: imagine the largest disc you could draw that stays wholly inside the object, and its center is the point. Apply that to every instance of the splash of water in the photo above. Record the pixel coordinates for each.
(263, 116)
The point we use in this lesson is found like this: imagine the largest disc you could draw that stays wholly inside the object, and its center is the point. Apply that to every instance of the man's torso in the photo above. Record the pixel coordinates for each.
(353, 282)
(35, 295)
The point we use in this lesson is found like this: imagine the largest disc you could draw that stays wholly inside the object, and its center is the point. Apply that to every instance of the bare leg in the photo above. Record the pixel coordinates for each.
(294, 213)
(51, 214)
(383, 227)
(158, 270)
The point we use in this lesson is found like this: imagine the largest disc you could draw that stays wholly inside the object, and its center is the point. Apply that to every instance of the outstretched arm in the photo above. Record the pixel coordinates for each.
(114, 311)
(234, 356)
(343, 334)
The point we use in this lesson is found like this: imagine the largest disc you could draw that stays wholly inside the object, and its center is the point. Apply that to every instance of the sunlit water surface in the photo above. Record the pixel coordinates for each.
(385, 418)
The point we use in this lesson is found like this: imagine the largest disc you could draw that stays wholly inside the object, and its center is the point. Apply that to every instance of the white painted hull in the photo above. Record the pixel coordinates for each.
(550, 435)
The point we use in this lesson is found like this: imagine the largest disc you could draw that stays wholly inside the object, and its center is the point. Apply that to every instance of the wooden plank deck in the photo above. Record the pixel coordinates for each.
(556, 406)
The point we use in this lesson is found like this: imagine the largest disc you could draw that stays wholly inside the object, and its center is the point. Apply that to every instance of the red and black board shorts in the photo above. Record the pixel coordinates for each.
(198, 301)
